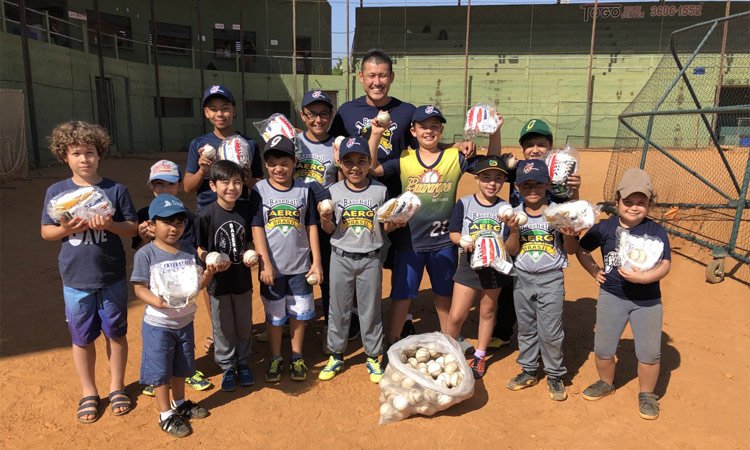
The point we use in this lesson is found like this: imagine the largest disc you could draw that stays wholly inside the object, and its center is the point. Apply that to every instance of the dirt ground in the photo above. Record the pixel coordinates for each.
(704, 383)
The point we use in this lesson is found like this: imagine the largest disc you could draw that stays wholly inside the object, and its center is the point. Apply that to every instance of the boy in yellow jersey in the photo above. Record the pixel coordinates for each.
(432, 175)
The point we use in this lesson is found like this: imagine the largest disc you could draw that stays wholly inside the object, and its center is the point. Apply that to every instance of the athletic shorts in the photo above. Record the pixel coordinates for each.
(167, 353)
(91, 311)
(290, 296)
(409, 267)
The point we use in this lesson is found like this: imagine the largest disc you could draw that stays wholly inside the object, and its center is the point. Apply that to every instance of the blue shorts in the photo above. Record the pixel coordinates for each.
(409, 267)
(91, 311)
(167, 353)
(290, 296)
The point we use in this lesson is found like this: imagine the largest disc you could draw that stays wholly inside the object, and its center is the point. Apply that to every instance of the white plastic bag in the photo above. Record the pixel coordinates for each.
(236, 149)
(84, 203)
(406, 390)
(562, 164)
(177, 283)
(577, 214)
(640, 252)
(481, 120)
(399, 209)
(489, 251)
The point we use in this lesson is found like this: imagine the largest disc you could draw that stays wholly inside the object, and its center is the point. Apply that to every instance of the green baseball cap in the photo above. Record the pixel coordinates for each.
(537, 126)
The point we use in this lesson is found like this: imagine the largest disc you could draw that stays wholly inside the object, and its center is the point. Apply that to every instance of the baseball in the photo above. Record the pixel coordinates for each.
(637, 255)
(208, 151)
(466, 241)
(312, 280)
(522, 218)
(337, 142)
(250, 257)
(326, 206)
(216, 258)
(383, 118)
(510, 162)
(505, 212)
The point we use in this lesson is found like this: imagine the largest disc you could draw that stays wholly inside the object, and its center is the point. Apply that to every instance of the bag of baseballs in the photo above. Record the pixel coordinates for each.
(489, 251)
(426, 373)
(481, 120)
(640, 252)
(399, 209)
(577, 214)
(84, 203)
(561, 163)
(176, 282)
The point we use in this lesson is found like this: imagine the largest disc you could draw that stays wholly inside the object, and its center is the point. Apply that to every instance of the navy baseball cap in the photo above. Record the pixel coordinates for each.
(355, 144)
(281, 144)
(217, 90)
(532, 169)
(165, 205)
(311, 97)
(425, 112)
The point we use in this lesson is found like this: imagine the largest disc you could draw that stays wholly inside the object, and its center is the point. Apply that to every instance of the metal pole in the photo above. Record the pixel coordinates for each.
(101, 94)
(29, 83)
(348, 56)
(156, 75)
(294, 54)
(466, 55)
(242, 61)
(717, 97)
(200, 60)
(589, 93)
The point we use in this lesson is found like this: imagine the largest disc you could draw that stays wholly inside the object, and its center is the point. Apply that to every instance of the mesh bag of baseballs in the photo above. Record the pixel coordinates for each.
(177, 282)
(639, 252)
(481, 120)
(577, 214)
(426, 373)
(84, 203)
(561, 163)
(489, 251)
(399, 209)
(236, 149)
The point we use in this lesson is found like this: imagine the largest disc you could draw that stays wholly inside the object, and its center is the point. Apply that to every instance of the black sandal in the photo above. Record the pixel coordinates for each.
(116, 401)
(85, 407)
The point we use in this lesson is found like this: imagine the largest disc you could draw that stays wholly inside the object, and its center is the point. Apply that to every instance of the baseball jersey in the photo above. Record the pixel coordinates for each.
(205, 195)
(228, 232)
(93, 259)
(284, 216)
(604, 235)
(436, 187)
(541, 246)
(316, 167)
(357, 228)
(150, 258)
(471, 217)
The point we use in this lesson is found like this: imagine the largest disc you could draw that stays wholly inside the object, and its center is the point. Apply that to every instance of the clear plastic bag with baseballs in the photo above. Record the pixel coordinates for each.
(177, 282)
(562, 163)
(481, 120)
(426, 373)
(576, 214)
(641, 252)
(83, 203)
(399, 209)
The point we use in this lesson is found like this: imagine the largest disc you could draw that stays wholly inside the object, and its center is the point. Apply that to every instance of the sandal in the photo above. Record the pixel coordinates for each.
(85, 407)
(209, 344)
(119, 399)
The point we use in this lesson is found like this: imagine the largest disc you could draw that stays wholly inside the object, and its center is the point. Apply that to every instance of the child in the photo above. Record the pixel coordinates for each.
(168, 338)
(539, 291)
(222, 227)
(474, 214)
(627, 295)
(92, 264)
(285, 233)
(165, 178)
(432, 175)
(355, 262)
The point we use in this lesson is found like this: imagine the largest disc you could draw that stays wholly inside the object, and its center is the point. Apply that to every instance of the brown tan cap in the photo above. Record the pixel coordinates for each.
(635, 180)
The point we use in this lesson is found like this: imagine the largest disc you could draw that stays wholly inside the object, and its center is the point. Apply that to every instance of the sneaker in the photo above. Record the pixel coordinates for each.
(273, 374)
(478, 367)
(465, 345)
(176, 426)
(373, 368)
(556, 389)
(149, 390)
(262, 337)
(331, 369)
(408, 329)
(229, 381)
(246, 377)
(324, 341)
(298, 370)
(191, 410)
(598, 390)
(354, 328)
(496, 343)
(198, 381)
(648, 406)
(522, 381)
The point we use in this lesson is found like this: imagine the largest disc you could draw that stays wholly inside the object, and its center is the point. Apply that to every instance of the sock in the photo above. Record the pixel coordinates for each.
(296, 356)
(165, 415)
(339, 356)
(480, 353)
(409, 317)
(177, 403)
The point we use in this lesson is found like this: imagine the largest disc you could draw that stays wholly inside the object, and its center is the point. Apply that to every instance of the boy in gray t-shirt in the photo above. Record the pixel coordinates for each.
(539, 291)
(357, 237)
